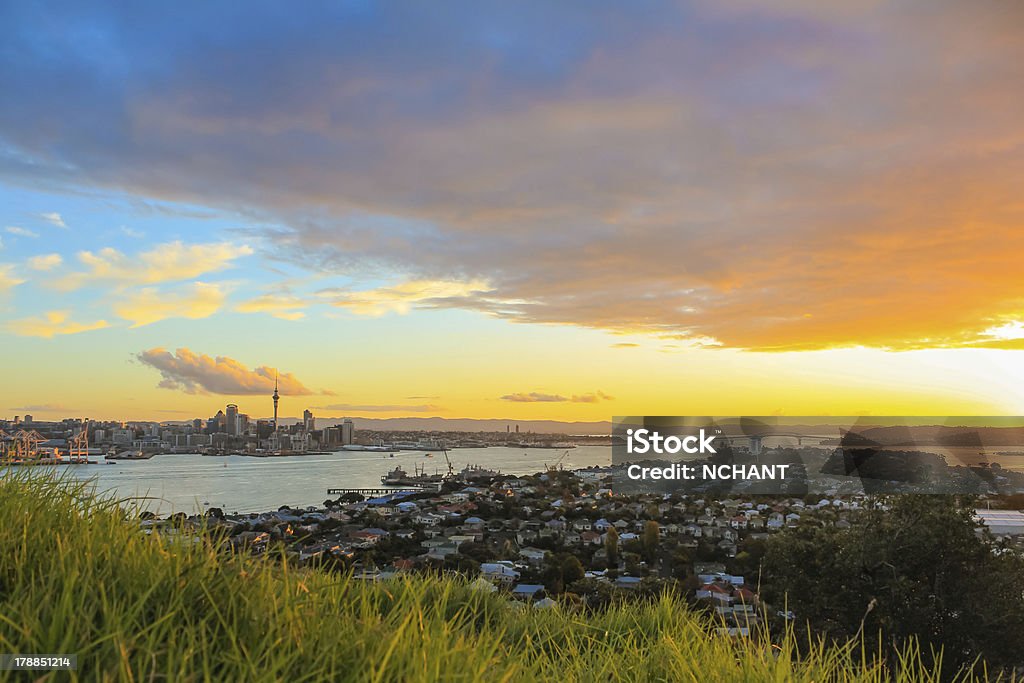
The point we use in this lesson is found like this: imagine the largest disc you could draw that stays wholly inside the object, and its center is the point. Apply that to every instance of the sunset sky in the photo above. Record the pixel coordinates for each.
(530, 210)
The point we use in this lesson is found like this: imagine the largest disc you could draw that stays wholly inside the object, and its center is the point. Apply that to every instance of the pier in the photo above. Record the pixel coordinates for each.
(374, 493)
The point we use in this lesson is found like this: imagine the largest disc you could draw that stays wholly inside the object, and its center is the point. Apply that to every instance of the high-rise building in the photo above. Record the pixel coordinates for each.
(347, 432)
(28, 419)
(308, 421)
(231, 419)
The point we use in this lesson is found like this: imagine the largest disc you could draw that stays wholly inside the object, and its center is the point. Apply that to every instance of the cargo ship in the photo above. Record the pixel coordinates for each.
(399, 477)
(131, 455)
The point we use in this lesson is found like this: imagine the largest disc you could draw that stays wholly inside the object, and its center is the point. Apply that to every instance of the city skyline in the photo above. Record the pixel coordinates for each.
(473, 212)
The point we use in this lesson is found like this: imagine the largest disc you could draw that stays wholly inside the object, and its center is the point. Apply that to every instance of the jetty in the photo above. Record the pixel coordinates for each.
(375, 493)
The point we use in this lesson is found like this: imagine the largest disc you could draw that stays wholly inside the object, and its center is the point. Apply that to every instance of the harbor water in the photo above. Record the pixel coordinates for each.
(190, 482)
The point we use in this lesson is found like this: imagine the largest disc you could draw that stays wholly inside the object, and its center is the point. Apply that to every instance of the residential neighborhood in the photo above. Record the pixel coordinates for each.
(550, 538)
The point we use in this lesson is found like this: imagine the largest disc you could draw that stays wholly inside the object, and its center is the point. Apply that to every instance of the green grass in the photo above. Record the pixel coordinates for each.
(76, 576)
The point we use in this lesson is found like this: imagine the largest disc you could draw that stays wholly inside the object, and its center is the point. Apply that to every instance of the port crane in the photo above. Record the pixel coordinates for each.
(558, 462)
(25, 445)
(78, 446)
(451, 470)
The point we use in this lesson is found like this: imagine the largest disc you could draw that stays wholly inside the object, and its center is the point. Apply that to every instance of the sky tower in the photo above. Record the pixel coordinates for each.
(276, 397)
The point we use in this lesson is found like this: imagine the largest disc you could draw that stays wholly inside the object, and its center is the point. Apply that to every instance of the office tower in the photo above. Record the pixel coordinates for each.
(231, 419)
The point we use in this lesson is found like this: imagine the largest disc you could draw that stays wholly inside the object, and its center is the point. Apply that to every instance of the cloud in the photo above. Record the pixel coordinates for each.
(385, 408)
(131, 232)
(282, 306)
(8, 280)
(194, 373)
(150, 304)
(54, 219)
(51, 324)
(402, 297)
(537, 397)
(169, 262)
(755, 174)
(21, 232)
(595, 397)
(534, 397)
(625, 345)
(46, 408)
(45, 262)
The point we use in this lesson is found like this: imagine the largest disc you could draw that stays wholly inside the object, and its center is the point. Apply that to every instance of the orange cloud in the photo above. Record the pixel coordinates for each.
(538, 397)
(196, 373)
(149, 304)
(402, 297)
(386, 408)
(278, 305)
(164, 263)
(51, 324)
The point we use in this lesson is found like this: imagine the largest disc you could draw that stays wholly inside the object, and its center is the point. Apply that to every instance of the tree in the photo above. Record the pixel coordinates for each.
(748, 561)
(597, 594)
(918, 569)
(561, 570)
(611, 547)
(651, 539)
(632, 561)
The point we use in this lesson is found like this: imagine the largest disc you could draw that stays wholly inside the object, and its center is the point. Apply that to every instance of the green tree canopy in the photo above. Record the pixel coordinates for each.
(919, 568)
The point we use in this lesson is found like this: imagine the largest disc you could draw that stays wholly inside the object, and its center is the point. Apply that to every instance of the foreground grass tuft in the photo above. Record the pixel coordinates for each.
(78, 576)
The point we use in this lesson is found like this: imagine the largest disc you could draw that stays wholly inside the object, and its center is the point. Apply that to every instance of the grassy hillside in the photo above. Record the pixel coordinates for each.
(76, 576)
